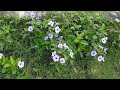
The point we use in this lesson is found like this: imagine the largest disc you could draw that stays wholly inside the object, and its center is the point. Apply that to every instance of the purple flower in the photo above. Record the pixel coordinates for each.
(57, 29)
(32, 14)
(56, 58)
(46, 38)
(62, 60)
(30, 28)
(60, 46)
(60, 38)
(53, 53)
(93, 53)
(50, 36)
(100, 59)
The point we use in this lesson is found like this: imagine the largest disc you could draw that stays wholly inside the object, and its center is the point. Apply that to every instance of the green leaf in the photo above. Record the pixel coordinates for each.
(88, 54)
(77, 26)
(3, 70)
(52, 63)
(105, 33)
(25, 76)
(7, 65)
(67, 31)
(35, 70)
(38, 23)
(81, 54)
(12, 61)
(102, 27)
(79, 37)
(8, 38)
(53, 49)
(57, 67)
(1, 46)
(72, 28)
(8, 27)
(13, 29)
(75, 70)
(25, 35)
(45, 42)
(71, 61)
(95, 45)
(119, 36)
(8, 76)
(94, 37)
(14, 71)
(17, 60)
(4, 61)
(3, 27)
(84, 42)
(77, 40)
(29, 22)
(79, 49)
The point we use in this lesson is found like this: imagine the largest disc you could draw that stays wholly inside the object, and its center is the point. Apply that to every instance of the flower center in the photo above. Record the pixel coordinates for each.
(20, 63)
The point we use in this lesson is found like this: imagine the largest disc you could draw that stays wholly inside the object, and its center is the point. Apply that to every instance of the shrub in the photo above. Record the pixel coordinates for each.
(64, 37)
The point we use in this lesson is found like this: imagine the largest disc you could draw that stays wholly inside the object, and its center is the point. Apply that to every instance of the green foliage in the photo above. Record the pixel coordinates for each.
(10, 66)
(82, 32)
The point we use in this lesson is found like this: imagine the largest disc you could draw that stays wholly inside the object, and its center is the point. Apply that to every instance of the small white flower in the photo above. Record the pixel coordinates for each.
(53, 53)
(30, 28)
(93, 53)
(56, 24)
(51, 23)
(60, 38)
(56, 35)
(46, 38)
(71, 54)
(32, 14)
(100, 59)
(117, 20)
(69, 50)
(1, 55)
(21, 64)
(50, 36)
(101, 47)
(104, 40)
(62, 60)
(105, 51)
(60, 46)
(56, 58)
(65, 46)
(37, 18)
(57, 29)
(35, 46)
